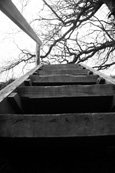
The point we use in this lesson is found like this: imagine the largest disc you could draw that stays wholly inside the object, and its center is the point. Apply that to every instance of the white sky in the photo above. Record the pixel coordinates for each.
(9, 35)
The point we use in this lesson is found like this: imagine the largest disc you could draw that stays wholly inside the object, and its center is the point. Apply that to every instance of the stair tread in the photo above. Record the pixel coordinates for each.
(62, 71)
(57, 125)
(61, 67)
(79, 79)
(66, 91)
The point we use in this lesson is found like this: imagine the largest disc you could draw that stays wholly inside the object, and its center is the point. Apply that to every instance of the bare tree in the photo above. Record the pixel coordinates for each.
(72, 32)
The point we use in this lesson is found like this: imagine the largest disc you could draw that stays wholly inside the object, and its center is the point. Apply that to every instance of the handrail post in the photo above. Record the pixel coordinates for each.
(37, 54)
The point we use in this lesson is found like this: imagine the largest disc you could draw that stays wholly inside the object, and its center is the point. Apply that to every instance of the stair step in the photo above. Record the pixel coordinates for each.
(67, 98)
(57, 125)
(66, 91)
(63, 79)
(62, 67)
(62, 71)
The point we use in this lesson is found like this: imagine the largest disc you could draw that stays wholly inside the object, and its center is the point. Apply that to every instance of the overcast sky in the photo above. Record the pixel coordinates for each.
(10, 34)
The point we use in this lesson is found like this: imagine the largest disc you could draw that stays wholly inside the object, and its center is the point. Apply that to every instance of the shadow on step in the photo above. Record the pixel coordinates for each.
(58, 155)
